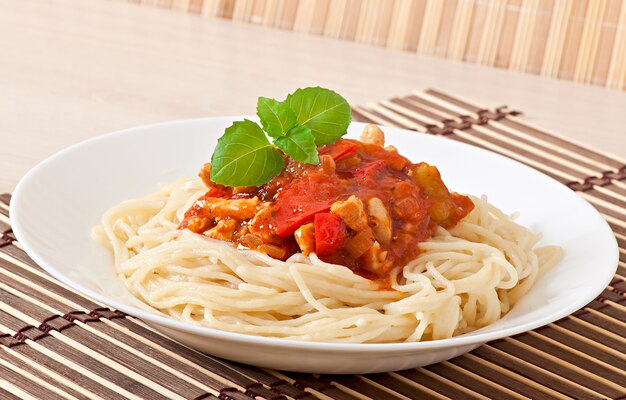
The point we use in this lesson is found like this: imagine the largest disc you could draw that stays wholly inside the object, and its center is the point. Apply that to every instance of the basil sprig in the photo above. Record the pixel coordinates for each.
(308, 118)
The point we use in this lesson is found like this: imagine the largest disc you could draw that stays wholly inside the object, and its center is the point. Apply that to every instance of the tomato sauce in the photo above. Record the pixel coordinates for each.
(365, 207)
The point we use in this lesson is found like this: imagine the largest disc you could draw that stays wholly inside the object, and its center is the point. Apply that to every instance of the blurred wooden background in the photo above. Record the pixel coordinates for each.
(579, 40)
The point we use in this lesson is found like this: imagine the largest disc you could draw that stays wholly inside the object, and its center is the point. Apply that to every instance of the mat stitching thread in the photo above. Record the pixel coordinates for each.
(202, 396)
(274, 388)
(102, 312)
(73, 316)
(252, 393)
(8, 340)
(303, 386)
(20, 336)
(278, 383)
(6, 238)
(467, 121)
(616, 281)
(620, 292)
(46, 327)
(250, 389)
(589, 182)
(300, 385)
(224, 393)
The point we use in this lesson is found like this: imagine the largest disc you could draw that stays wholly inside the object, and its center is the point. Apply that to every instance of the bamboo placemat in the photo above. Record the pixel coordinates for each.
(57, 344)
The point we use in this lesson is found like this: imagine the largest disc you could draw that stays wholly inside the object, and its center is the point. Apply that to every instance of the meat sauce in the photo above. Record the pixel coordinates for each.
(363, 206)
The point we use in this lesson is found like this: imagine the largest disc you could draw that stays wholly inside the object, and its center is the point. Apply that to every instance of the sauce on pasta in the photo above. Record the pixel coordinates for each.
(363, 206)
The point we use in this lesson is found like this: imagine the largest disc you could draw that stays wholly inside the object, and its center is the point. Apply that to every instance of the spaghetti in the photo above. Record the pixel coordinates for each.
(464, 278)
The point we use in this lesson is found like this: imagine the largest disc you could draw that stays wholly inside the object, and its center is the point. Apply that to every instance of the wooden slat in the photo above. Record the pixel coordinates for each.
(505, 377)
(28, 385)
(54, 368)
(364, 386)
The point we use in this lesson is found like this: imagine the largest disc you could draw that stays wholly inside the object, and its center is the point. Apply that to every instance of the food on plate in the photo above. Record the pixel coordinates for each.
(321, 238)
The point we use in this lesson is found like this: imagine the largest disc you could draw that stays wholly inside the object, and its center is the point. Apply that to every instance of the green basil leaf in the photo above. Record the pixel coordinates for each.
(299, 144)
(276, 117)
(325, 112)
(244, 157)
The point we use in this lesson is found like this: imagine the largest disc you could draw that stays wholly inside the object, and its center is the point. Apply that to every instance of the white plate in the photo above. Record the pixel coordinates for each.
(57, 203)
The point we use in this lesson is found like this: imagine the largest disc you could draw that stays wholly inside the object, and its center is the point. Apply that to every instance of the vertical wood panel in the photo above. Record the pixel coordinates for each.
(417, 19)
(491, 32)
(617, 68)
(304, 16)
(209, 7)
(445, 28)
(430, 27)
(589, 41)
(319, 16)
(180, 5)
(195, 6)
(508, 33)
(366, 21)
(382, 23)
(608, 32)
(287, 14)
(523, 34)
(336, 12)
(401, 17)
(350, 21)
(258, 11)
(460, 29)
(476, 31)
(556, 37)
(573, 39)
(539, 44)
(242, 10)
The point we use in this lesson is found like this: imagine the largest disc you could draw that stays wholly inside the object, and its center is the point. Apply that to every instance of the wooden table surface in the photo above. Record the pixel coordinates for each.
(71, 70)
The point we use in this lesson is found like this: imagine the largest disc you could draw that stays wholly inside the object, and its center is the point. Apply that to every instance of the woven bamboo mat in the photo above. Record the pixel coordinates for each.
(57, 344)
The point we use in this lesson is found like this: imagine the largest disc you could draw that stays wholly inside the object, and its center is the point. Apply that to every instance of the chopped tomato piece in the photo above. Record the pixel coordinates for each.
(301, 201)
(330, 231)
(340, 149)
(287, 226)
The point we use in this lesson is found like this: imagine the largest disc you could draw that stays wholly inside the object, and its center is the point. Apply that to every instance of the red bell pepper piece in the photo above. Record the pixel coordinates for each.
(330, 232)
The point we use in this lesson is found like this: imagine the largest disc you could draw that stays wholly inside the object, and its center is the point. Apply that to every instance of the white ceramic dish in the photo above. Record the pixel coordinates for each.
(57, 203)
